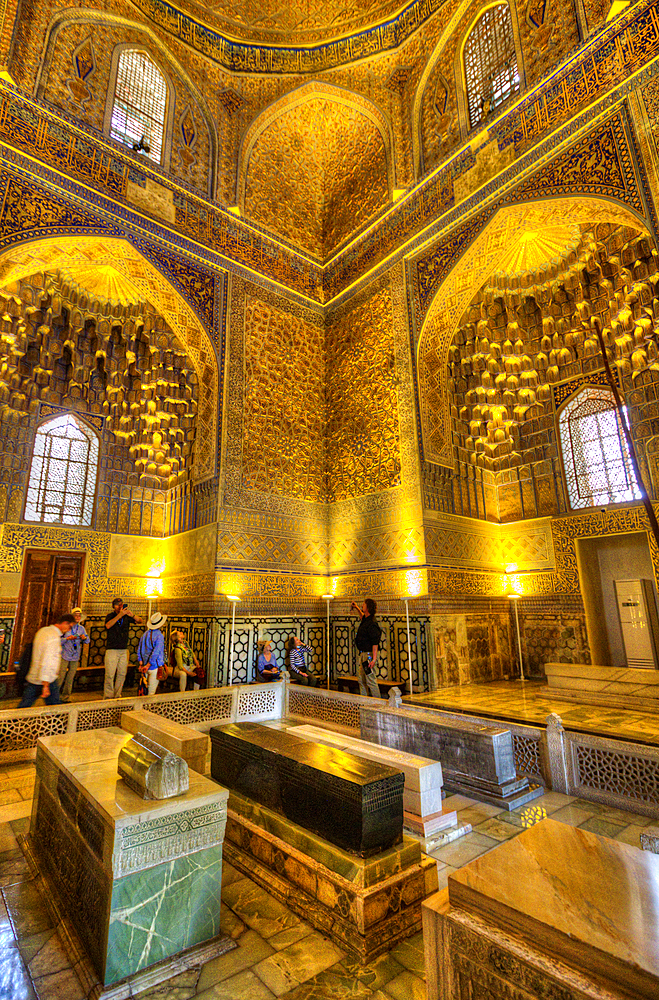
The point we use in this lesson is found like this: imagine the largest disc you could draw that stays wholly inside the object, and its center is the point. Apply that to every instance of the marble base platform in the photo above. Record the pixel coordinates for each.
(620, 687)
(364, 905)
(134, 985)
(556, 912)
(140, 880)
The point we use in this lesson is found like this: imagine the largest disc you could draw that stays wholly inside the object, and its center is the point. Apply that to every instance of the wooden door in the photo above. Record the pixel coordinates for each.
(50, 586)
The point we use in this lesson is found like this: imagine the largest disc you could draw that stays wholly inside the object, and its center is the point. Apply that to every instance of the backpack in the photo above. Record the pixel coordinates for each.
(23, 668)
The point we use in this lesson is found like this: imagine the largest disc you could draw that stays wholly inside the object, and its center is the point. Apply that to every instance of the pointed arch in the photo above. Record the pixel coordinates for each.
(469, 272)
(307, 92)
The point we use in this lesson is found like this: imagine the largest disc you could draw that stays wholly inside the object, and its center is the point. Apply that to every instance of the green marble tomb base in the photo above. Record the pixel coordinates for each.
(139, 880)
(363, 905)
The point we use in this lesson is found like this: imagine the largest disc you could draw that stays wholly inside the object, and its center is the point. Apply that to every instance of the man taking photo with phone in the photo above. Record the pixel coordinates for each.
(117, 624)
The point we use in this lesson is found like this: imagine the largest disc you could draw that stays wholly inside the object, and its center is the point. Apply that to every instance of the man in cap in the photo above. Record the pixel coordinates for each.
(117, 623)
(41, 680)
(72, 644)
(151, 650)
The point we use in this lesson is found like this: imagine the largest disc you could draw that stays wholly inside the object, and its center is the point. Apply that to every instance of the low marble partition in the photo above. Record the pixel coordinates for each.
(556, 912)
(621, 687)
(477, 759)
(139, 880)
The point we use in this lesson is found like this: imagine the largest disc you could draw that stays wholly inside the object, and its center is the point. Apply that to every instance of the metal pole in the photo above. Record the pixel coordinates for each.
(519, 645)
(649, 509)
(409, 646)
(328, 647)
(233, 622)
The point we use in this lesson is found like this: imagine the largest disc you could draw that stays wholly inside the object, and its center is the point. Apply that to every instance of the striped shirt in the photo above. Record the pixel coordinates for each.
(297, 658)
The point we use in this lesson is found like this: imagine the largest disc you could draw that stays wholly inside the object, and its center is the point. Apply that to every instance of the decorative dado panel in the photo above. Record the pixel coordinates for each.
(465, 542)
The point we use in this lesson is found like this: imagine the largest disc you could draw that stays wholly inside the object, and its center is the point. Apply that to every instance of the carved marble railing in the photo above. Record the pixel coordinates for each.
(21, 728)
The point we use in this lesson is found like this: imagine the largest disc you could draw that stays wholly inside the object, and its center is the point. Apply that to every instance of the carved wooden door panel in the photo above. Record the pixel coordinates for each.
(50, 585)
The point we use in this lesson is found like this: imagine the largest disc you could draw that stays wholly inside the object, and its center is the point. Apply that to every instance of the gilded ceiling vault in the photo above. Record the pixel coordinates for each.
(322, 324)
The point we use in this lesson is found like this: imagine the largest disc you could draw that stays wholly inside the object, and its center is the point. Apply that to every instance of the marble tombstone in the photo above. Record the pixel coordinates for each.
(353, 803)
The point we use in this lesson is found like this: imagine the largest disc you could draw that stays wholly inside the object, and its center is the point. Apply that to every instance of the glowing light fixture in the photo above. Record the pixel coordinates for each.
(513, 595)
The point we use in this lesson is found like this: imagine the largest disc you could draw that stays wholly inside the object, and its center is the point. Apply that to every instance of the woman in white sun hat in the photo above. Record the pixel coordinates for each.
(151, 651)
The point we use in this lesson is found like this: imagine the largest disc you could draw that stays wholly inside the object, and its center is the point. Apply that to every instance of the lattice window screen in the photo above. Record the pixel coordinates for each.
(63, 473)
(491, 72)
(140, 103)
(595, 456)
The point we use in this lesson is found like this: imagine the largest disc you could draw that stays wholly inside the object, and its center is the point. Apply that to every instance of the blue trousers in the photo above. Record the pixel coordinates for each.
(33, 691)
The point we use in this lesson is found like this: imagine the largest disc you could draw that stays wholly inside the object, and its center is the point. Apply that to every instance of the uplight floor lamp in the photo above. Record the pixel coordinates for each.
(328, 598)
(234, 600)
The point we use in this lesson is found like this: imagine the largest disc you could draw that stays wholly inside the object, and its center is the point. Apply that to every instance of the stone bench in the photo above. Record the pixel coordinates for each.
(183, 741)
(620, 687)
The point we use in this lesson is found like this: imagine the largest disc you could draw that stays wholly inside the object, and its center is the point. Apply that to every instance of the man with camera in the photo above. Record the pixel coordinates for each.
(117, 624)
(72, 643)
(367, 642)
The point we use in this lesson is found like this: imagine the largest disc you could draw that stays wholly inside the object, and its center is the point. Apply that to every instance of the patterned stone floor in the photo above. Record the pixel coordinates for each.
(530, 702)
(277, 954)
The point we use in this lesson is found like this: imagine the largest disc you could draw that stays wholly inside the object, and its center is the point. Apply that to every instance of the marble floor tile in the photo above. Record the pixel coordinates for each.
(454, 802)
(27, 909)
(374, 975)
(243, 986)
(43, 953)
(230, 923)
(255, 907)
(293, 934)
(333, 984)
(477, 813)
(464, 850)
(625, 817)
(407, 986)
(8, 840)
(251, 949)
(63, 985)
(300, 961)
(442, 876)
(230, 874)
(554, 800)
(631, 835)
(410, 954)
(13, 867)
(573, 814)
(17, 810)
(15, 983)
(602, 826)
(496, 829)
(181, 987)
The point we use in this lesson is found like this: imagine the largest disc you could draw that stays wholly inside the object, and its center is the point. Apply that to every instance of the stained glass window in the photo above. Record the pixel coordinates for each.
(491, 73)
(598, 468)
(140, 103)
(63, 472)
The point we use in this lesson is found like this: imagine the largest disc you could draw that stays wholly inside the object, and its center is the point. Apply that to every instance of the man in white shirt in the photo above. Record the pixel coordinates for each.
(42, 676)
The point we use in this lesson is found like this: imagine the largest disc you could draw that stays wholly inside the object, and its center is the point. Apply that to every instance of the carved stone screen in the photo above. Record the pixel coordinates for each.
(140, 103)
(595, 455)
(490, 63)
(63, 473)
